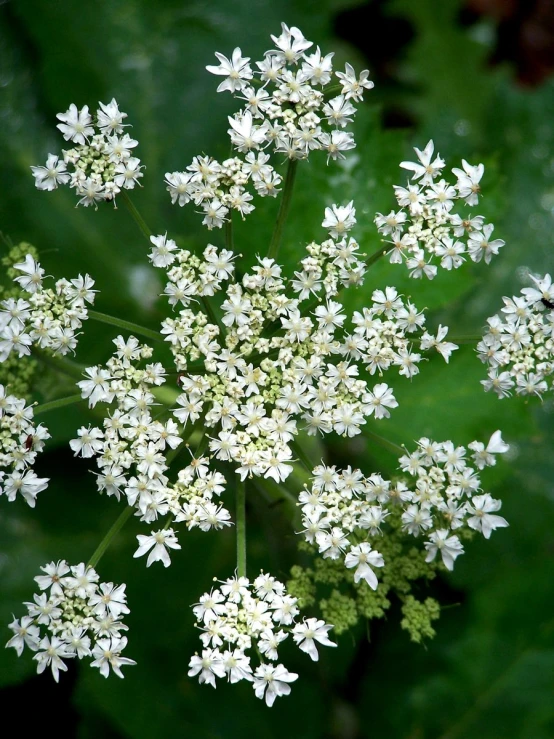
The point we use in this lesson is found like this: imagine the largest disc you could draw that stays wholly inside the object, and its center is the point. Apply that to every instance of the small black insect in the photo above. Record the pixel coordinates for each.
(547, 303)
(29, 442)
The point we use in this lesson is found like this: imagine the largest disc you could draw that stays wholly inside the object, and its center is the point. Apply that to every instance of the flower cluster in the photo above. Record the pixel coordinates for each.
(265, 366)
(132, 446)
(288, 108)
(74, 616)
(426, 231)
(519, 343)
(241, 617)
(48, 318)
(343, 511)
(20, 441)
(100, 164)
(133, 449)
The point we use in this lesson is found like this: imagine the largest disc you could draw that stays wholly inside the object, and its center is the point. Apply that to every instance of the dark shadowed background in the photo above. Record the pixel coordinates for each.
(475, 77)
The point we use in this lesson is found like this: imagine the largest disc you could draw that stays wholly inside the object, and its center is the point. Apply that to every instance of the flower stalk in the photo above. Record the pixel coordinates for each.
(53, 405)
(288, 187)
(116, 527)
(134, 328)
(139, 220)
(241, 527)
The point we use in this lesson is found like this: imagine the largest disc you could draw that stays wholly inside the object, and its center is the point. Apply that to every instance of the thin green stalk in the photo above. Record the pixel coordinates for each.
(125, 325)
(385, 443)
(60, 364)
(240, 515)
(202, 446)
(378, 254)
(469, 339)
(275, 494)
(107, 540)
(54, 404)
(302, 456)
(283, 209)
(139, 220)
(211, 314)
(229, 232)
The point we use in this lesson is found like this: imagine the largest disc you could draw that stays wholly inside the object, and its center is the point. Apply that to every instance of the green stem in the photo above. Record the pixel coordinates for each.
(385, 443)
(240, 514)
(302, 456)
(61, 364)
(378, 254)
(469, 339)
(106, 541)
(211, 314)
(202, 445)
(125, 325)
(283, 209)
(229, 232)
(139, 220)
(59, 403)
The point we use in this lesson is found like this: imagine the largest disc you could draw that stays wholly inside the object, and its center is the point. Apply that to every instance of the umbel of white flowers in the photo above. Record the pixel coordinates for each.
(518, 345)
(74, 616)
(288, 109)
(283, 357)
(344, 513)
(100, 163)
(239, 618)
(430, 228)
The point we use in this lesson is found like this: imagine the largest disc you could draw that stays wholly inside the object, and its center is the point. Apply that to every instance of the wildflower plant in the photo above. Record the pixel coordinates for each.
(247, 365)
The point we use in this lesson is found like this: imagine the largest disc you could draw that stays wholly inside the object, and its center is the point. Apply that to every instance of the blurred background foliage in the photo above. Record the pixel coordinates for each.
(475, 77)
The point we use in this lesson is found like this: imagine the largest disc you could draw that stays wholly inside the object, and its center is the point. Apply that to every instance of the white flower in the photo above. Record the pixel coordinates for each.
(482, 508)
(107, 654)
(449, 547)
(109, 599)
(162, 253)
(54, 577)
(272, 681)
(236, 71)
(89, 443)
(290, 44)
(269, 641)
(352, 86)
(274, 463)
(159, 542)
(27, 484)
(444, 348)
(544, 290)
(480, 246)
(51, 653)
(76, 124)
(244, 134)
(31, 280)
(97, 387)
(110, 118)
(26, 633)
(377, 401)
(339, 219)
(54, 173)
(468, 181)
(310, 631)
(127, 173)
(207, 667)
(427, 168)
(361, 557)
(237, 666)
(484, 457)
(317, 68)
